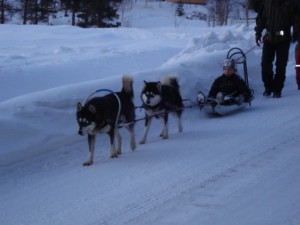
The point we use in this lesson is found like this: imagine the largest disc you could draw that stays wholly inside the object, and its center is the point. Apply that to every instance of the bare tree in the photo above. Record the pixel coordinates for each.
(211, 8)
(125, 6)
(73, 6)
(229, 6)
(25, 7)
(247, 5)
(219, 11)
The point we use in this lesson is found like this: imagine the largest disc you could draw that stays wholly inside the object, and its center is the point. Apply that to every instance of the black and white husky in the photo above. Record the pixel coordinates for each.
(159, 99)
(102, 115)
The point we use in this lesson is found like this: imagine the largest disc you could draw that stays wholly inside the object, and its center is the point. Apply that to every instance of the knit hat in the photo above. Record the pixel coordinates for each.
(229, 63)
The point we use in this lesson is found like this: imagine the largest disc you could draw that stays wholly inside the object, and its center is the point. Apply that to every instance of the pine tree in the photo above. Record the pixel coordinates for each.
(6, 8)
(35, 11)
(180, 9)
(100, 13)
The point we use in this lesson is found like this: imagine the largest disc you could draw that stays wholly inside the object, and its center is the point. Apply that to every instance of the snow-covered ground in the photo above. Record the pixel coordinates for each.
(238, 169)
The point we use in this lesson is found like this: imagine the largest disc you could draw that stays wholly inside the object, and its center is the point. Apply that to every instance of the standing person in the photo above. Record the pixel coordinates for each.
(297, 55)
(277, 17)
(229, 86)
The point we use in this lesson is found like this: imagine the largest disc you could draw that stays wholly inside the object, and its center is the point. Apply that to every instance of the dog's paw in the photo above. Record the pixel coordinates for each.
(180, 129)
(88, 163)
(115, 155)
(142, 142)
(163, 135)
(133, 146)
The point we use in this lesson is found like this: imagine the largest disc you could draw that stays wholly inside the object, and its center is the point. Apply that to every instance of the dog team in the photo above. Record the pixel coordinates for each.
(104, 114)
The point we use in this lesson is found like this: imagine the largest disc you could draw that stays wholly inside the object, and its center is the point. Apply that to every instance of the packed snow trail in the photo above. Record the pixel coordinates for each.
(162, 180)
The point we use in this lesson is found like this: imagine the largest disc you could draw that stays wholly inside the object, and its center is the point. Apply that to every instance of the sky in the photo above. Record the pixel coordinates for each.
(241, 168)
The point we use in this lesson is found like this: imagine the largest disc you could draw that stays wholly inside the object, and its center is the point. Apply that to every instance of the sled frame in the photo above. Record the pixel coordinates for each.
(239, 57)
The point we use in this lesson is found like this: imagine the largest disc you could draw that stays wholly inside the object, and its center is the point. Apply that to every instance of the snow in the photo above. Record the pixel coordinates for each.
(241, 168)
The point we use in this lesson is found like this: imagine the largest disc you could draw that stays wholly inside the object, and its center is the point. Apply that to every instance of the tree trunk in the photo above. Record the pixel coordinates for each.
(2, 12)
(36, 12)
(247, 12)
(25, 11)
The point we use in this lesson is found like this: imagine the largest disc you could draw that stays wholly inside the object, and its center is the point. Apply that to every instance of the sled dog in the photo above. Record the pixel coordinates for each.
(100, 115)
(159, 99)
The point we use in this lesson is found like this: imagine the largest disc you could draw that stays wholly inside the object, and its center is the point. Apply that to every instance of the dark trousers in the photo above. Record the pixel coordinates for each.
(281, 51)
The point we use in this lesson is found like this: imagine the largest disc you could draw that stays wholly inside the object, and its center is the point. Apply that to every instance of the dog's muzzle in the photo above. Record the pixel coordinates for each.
(80, 132)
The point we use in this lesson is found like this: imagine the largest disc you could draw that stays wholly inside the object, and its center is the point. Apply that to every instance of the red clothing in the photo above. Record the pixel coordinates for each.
(298, 63)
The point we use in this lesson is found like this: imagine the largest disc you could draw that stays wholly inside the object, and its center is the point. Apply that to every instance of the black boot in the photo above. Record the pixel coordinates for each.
(267, 92)
(277, 94)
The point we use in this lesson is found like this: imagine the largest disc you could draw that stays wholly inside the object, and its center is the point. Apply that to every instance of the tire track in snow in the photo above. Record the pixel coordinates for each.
(149, 202)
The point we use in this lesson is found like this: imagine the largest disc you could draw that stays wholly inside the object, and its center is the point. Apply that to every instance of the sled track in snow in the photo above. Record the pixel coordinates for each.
(135, 211)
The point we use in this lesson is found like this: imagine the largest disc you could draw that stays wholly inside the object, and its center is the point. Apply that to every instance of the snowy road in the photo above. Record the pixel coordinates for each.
(199, 177)
(240, 169)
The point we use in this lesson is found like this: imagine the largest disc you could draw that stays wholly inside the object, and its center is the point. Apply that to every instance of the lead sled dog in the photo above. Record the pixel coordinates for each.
(102, 115)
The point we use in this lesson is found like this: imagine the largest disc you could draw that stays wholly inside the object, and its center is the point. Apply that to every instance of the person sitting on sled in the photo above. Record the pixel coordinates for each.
(229, 88)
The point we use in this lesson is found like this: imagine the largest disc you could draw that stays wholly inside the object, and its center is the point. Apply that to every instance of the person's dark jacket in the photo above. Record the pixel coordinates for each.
(232, 85)
(276, 16)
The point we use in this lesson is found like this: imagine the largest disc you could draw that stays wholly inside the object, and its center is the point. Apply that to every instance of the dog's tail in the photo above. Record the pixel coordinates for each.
(127, 85)
(170, 81)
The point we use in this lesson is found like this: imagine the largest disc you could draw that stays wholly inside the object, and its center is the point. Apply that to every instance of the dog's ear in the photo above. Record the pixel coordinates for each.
(79, 107)
(158, 86)
(145, 83)
(92, 109)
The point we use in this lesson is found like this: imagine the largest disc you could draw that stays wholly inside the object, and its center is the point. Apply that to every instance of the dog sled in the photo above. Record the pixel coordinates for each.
(221, 106)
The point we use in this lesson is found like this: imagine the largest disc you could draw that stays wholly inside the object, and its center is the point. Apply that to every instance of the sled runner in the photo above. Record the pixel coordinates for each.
(222, 105)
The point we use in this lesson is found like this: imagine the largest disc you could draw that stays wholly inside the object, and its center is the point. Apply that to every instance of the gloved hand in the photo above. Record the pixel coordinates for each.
(227, 98)
(200, 97)
(211, 99)
(239, 99)
(220, 96)
(295, 37)
(258, 39)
